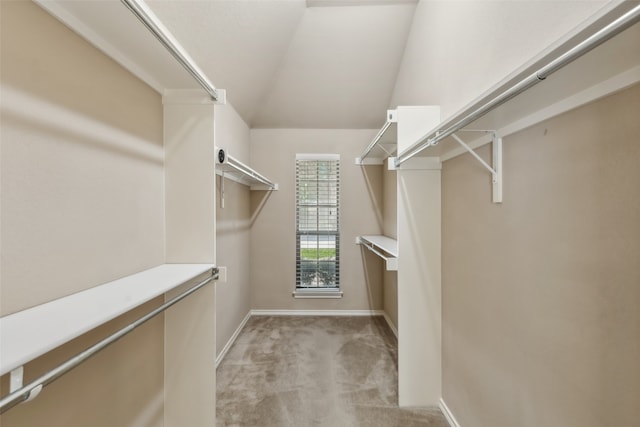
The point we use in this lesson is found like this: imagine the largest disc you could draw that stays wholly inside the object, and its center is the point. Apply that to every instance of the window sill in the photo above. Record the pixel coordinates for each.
(317, 293)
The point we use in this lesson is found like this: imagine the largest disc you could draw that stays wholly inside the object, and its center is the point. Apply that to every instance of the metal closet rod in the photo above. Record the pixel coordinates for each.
(503, 94)
(25, 393)
(146, 16)
(375, 140)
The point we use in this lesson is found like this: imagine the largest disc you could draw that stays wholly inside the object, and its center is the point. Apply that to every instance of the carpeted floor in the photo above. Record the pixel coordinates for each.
(314, 371)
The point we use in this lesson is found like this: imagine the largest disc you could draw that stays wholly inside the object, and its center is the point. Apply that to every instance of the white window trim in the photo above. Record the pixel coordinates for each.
(317, 293)
(320, 157)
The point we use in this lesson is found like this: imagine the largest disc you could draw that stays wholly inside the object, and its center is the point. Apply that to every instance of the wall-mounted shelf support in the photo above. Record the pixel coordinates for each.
(383, 246)
(496, 170)
(618, 20)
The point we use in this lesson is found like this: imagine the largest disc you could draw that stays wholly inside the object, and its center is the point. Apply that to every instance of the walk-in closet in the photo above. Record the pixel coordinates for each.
(319, 213)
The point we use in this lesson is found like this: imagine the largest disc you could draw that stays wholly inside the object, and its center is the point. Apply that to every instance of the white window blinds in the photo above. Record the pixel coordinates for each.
(317, 221)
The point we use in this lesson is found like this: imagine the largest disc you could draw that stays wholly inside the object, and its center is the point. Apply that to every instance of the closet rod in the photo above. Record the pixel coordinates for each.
(153, 24)
(31, 390)
(603, 32)
(375, 140)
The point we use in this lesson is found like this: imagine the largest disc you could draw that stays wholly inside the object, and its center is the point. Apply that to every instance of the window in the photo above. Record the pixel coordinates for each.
(317, 224)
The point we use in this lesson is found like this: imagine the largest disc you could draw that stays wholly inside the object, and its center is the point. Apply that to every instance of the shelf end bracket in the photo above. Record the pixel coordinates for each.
(496, 149)
(496, 170)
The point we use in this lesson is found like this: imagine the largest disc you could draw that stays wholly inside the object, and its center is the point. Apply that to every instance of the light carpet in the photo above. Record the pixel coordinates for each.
(314, 371)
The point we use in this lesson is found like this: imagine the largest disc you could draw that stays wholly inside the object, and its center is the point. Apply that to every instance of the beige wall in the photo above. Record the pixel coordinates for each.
(541, 293)
(82, 204)
(233, 230)
(273, 219)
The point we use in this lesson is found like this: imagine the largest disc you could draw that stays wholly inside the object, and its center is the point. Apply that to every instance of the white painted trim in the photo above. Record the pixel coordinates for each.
(326, 295)
(103, 45)
(390, 323)
(317, 313)
(448, 414)
(233, 338)
(312, 156)
(369, 161)
(600, 90)
(187, 97)
(417, 163)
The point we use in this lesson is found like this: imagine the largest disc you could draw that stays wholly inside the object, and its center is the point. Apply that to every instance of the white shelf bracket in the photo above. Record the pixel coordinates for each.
(222, 190)
(496, 148)
(496, 170)
(16, 382)
(16, 379)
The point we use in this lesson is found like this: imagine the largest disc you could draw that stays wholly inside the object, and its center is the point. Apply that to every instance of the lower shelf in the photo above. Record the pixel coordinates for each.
(383, 246)
(28, 334)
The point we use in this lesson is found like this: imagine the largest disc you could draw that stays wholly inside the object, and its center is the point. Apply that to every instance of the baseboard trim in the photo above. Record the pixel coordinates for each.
(233, 338)
(388, 319)
(317, 312)
(448, 414)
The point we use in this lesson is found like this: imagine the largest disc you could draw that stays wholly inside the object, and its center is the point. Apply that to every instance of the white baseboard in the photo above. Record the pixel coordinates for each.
(317, 312)
(390, 323)
(229, 343)
(448, 414)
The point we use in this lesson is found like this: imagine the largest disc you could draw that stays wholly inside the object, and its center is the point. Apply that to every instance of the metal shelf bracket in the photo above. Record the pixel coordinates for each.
(496, 168)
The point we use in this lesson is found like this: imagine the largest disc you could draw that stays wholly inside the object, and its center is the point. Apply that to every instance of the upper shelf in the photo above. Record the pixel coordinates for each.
(384, 144)
(383, 246)
(229, 167)
(30, 333)
(402, 126)
(597, 59)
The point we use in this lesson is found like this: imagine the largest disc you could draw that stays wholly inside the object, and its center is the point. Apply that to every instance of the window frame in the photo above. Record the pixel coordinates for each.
(319, 291)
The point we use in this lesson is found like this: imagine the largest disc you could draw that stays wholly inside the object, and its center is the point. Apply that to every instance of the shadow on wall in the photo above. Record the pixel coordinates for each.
(24, 111)
(258, 201)
(40, 55)
(377, 201)
(371, 264)
(237, 219)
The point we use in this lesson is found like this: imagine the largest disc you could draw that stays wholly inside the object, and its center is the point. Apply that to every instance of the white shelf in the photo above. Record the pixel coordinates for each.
(31, 333)
(610, 67)
(384, 144)
(231, 168)
(383, 246)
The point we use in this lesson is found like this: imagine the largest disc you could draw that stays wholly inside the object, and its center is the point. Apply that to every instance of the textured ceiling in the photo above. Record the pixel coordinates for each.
(282, 63)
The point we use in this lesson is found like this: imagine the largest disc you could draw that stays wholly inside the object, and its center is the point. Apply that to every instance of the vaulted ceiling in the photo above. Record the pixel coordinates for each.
(283, 63)
(343, 63)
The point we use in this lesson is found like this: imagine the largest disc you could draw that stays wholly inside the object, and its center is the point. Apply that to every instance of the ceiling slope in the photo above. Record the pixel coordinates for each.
(284, 63)
(112, 28)
(339, 70)
(288, 66)
(238, 44)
